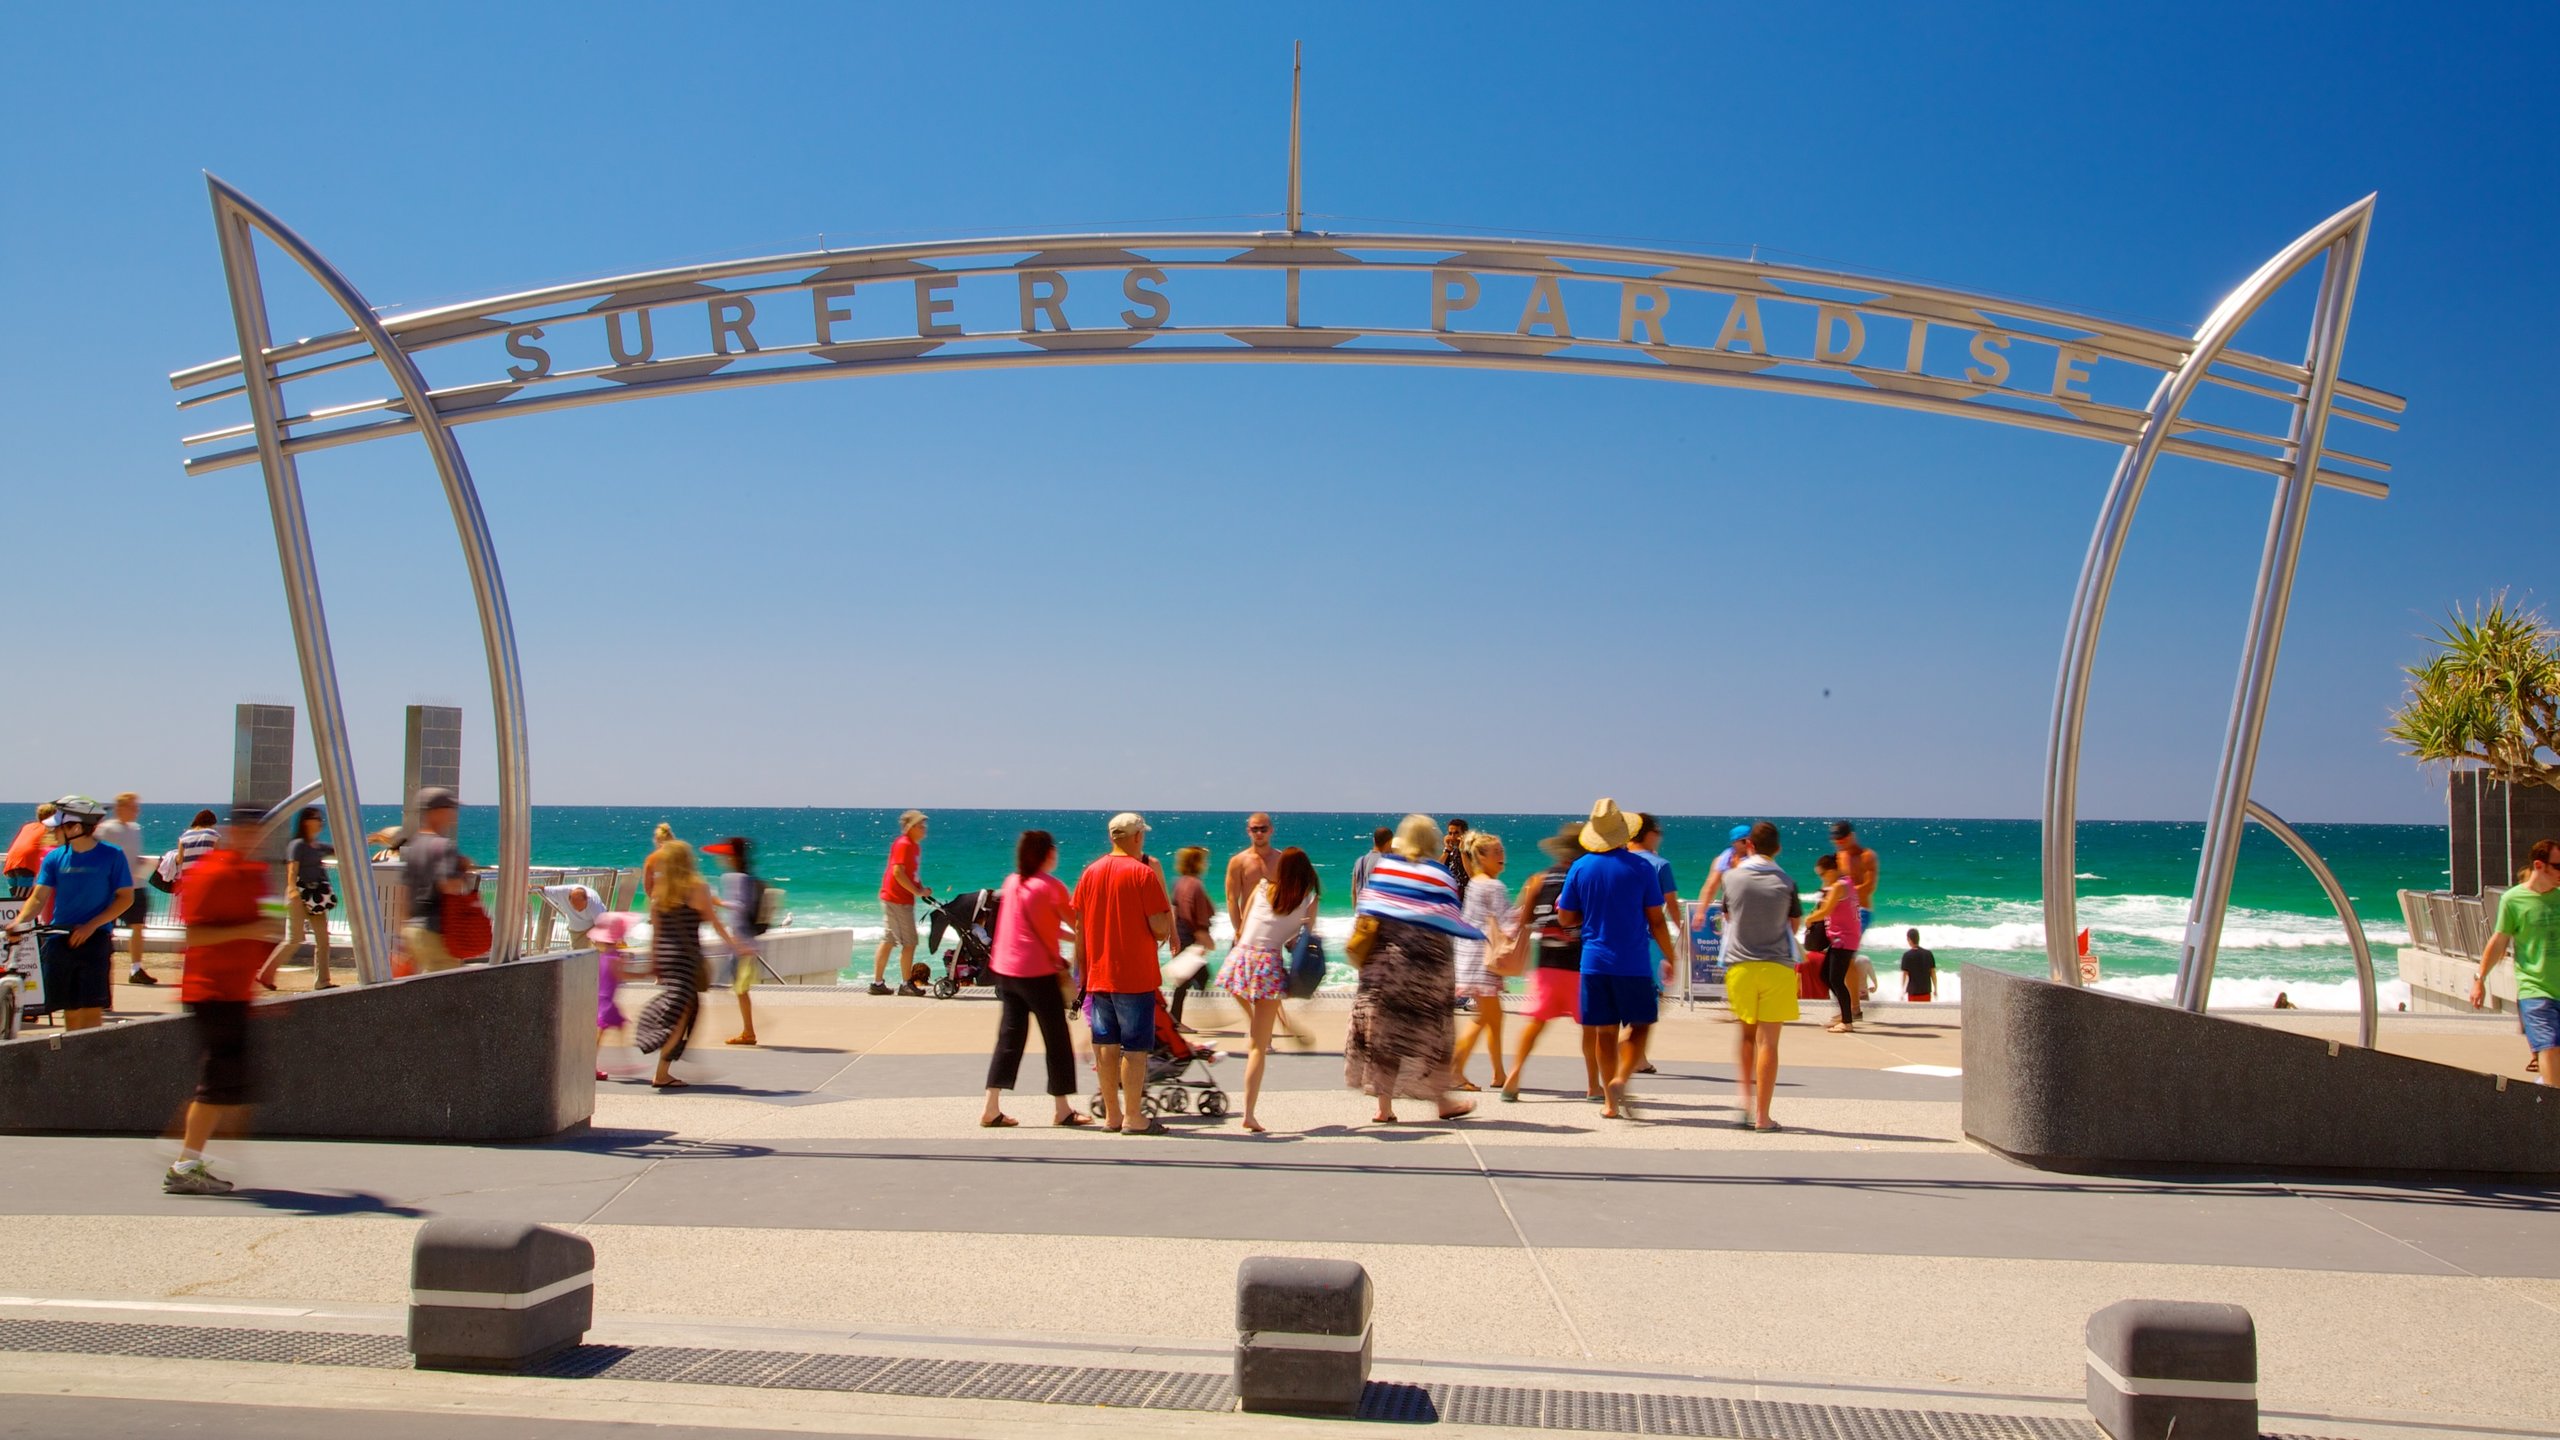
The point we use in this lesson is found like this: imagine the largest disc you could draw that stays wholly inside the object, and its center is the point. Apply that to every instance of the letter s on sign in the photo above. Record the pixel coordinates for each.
(1991, 365)
(520, 345)
(1159, 309)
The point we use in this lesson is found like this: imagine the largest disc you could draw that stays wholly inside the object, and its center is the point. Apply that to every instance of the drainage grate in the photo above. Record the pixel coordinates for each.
(205, 1342)
(1714, 1416)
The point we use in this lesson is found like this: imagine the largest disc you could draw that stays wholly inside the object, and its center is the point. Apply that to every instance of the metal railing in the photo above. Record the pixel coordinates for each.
(2447, 923)
(541, 919)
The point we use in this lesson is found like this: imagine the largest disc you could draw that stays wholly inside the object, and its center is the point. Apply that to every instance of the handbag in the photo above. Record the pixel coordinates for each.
(467, 933)
(1362, 940)
(1511, 957)
(1306, 965)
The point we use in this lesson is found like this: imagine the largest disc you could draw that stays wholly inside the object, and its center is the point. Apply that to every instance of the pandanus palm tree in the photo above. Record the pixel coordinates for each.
(2489, 696)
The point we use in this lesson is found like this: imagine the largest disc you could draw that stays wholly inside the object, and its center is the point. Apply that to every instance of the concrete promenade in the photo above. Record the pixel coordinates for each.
(832, 1187)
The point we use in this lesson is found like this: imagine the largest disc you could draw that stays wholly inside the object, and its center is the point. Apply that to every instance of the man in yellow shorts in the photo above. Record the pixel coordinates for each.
(1760, 908)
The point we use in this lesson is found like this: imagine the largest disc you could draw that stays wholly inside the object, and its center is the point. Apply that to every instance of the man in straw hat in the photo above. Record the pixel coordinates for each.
(1613, 896)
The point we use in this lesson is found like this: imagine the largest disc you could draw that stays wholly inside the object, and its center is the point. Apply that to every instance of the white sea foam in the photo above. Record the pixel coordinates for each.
(1967, 923)
(2230, 992)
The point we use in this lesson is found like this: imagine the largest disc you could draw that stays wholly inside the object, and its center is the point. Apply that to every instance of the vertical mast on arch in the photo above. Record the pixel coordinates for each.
(238, 220)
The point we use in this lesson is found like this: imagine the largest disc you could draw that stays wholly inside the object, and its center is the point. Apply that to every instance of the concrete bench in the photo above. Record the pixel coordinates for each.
(2159, 1368)
(1303, 1338)
(497, 1294)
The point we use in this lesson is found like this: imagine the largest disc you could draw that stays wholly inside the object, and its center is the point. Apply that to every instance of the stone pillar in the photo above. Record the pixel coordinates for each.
(433, 757)
(261, 754)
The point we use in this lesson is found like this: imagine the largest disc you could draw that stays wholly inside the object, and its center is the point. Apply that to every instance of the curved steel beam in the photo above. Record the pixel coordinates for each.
(277, 812)
(238, 241)
(479, 553)
(2369, 999)
(679, 383)
(2098, 573)
(448, 324)
(2237, 771)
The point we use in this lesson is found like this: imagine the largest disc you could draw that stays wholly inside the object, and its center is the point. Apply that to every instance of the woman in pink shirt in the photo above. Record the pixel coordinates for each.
(1032, 914)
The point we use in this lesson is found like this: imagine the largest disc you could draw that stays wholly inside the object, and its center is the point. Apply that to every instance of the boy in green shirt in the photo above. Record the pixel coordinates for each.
(2529, 924)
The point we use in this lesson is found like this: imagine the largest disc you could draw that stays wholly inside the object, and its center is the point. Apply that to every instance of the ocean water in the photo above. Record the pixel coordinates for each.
(1971, 887)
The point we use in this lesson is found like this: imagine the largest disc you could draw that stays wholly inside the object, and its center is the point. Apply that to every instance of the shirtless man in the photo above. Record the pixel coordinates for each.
(1248, 868)
(1858, 863)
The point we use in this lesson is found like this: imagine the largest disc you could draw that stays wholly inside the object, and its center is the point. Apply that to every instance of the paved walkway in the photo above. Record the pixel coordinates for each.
(835, 1178)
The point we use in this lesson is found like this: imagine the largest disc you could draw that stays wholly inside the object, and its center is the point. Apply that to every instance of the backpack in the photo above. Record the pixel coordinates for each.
(1306, 965)
(753, 903)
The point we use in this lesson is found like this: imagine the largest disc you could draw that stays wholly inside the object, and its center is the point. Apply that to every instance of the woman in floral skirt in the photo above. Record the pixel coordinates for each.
(1257, 969)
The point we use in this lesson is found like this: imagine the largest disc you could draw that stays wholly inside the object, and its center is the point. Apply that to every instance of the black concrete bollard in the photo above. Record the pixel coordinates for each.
(497, 1294)
(1302, 1335)
(2163, 1368)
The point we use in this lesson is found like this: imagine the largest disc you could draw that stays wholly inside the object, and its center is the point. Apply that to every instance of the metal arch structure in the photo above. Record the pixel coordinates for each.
(2369, 1000)
(238, 220)
(1586, 309)
(2340, 239)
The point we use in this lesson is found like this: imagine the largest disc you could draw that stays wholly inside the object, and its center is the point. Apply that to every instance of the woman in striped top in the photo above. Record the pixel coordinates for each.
(1402, 1032)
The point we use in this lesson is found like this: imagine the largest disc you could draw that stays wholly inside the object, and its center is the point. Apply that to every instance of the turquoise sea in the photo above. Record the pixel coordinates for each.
(1971, 887)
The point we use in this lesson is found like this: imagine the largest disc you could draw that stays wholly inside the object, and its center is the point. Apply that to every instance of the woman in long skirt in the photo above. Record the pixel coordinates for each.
(679, 901)
(1402, 1032)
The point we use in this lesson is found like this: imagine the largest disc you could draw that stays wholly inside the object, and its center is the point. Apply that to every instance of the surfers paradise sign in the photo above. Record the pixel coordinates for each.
(1300, 296)
(1369, 300)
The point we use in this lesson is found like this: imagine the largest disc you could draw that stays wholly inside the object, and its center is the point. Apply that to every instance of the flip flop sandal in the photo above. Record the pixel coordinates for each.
(670, 1084)
(1510, 1095)
(1470, 1087)
(1772, 1128)
(1458, 1114)
(1075, 1120)
(1152, 1127)
(1001, 1122)
(1255, 1127)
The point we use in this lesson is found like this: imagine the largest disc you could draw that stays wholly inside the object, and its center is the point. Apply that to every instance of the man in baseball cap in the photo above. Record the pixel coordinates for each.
(435, 869)
(81, 887)
(1122, 915)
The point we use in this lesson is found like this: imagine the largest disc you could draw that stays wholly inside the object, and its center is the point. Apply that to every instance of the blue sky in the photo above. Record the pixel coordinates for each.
(1292, 587)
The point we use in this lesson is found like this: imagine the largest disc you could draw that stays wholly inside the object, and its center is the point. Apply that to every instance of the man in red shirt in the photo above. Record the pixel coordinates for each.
(899, 887)
(1122, 915)
(222, 901)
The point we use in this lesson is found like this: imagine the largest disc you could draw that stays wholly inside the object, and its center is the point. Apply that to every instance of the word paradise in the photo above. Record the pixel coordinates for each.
(1633, 322)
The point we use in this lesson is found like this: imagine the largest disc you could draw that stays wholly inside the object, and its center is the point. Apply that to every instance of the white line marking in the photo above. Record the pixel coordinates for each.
(163, 1306)
(2174, 1389)
(1534, 1262)
(1944, 1072)
(502, 1299)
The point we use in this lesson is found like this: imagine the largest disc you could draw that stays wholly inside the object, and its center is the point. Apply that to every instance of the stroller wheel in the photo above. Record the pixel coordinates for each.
(1096, 1108)
(945, 988)
(1173, 1099)
(1213, 1103)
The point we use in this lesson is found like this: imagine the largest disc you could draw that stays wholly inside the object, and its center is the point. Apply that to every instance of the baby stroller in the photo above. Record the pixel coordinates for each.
(973, 918)
(1173, 1088)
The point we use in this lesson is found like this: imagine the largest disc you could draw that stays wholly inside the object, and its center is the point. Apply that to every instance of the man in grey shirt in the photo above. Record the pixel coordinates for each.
(434, 870)
(1760, 908)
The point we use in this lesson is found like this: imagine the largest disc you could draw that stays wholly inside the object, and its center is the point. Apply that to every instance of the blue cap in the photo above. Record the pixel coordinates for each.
(1740, 832)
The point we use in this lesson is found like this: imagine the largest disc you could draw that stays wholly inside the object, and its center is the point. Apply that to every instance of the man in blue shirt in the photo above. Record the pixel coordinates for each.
(1613, 897)
(80, 889)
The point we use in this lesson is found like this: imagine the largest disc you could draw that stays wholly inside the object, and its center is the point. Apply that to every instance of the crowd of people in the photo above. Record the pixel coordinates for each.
(1437, 939)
